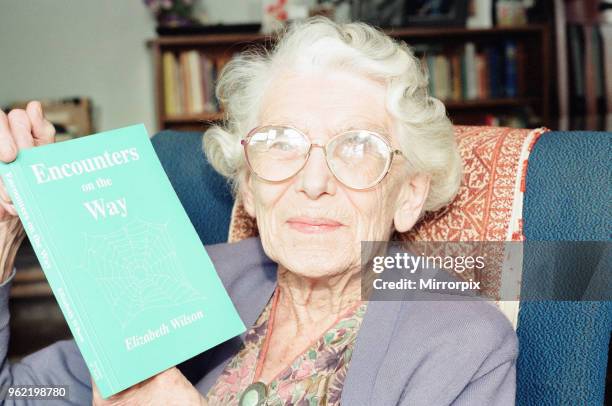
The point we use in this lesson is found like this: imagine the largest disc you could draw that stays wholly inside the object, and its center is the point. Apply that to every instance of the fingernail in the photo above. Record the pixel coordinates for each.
(39, 110)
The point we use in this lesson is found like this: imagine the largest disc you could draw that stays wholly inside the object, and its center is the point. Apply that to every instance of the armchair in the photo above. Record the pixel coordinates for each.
(564, 345)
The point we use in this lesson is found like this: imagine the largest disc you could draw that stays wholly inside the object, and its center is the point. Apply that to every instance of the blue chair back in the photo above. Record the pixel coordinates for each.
(564, 345)
(205, 195)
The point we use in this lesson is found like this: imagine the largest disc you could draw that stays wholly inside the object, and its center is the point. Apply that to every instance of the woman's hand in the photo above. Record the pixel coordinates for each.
(21, 129)
(169, 387)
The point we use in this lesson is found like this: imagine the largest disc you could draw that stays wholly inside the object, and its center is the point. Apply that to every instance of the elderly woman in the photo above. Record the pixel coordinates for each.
(331, 139)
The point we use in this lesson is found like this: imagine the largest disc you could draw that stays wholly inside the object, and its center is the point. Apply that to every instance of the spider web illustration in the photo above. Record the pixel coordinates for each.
(137, 270)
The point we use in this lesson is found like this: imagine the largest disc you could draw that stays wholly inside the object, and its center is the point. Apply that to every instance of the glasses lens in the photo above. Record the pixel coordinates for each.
(359, 159)
(276, 153)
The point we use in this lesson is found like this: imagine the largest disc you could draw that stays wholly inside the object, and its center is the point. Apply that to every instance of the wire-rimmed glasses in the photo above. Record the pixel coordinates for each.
(359, 159)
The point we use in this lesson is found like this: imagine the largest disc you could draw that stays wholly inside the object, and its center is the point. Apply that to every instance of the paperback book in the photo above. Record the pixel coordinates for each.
(129, 272)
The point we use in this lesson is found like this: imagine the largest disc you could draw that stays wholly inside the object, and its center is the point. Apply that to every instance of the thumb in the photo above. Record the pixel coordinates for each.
(43, 131)
(96, 395)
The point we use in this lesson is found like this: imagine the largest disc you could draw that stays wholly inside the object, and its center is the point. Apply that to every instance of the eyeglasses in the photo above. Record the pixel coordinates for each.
(359, 159)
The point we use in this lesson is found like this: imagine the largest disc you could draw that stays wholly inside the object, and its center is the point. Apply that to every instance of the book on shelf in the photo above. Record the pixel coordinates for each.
(606, 57)
(456, 77)
(577, 86)
(442, 77)
(169, 69)
(130, 274)
(494, 65)
(185, 81)
(482, 88)
(196, 80)
(510, 79)
(472, 72)
(599, 72)
(469, 71)
(189, 82)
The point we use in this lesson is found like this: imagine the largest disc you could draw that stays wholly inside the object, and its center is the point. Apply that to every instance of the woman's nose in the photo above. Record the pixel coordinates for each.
(315, 179)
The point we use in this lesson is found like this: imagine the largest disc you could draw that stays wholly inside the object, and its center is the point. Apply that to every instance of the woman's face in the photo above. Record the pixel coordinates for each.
(312, 224)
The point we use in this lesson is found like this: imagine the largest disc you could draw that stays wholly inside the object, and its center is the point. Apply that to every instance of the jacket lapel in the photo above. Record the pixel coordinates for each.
(369, 353)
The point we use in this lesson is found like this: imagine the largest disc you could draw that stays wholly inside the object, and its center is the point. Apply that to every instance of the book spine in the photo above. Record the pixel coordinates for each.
(169, 84)
(471, 71)
(207, 81)
(178, 88)
(590, 90)
(483, 77)
(196, 82)
(600, 70)
(431, 67)
(464, 76)
(521, 69)
(606, 42)
(185, 81)
(39, 237)
(510, 51)
(446, 74)
(493, 72)
(456, 75)
(214, 75)
(577, 95)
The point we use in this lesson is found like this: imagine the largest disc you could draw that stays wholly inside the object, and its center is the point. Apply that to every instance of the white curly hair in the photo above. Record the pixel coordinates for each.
(424, 132)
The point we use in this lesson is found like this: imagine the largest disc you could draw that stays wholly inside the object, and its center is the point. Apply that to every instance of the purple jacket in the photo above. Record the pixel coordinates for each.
(433, 352)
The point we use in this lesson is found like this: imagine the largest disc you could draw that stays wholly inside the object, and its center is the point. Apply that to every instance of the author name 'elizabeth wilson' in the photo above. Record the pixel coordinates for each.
(151, 335)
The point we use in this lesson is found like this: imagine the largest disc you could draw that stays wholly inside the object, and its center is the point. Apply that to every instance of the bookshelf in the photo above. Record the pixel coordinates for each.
(583, 36)
(531, 61)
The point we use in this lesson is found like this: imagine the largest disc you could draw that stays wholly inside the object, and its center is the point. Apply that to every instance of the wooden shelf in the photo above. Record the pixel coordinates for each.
(438, 32)
(486, 103)
(433, 32)
(211, 39)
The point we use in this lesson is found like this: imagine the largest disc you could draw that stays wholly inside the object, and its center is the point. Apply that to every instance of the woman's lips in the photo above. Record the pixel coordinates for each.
(310, 225)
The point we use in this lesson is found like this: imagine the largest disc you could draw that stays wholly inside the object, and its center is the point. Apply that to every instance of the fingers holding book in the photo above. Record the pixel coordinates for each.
(21, 129)
(167, 387)
(24, 129)
(6, 203)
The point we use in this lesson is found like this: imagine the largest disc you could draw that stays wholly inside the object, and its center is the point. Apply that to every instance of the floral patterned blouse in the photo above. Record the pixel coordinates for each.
(315, 377)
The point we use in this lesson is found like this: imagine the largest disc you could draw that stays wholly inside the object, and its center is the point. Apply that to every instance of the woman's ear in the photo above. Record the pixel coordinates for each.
(410, 205)
(246, 193)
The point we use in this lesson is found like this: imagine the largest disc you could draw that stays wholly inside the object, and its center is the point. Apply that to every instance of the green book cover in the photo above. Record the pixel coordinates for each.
(130, 274)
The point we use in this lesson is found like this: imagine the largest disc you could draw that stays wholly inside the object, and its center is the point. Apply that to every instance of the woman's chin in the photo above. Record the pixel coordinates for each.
(316, 267)
(317, 255)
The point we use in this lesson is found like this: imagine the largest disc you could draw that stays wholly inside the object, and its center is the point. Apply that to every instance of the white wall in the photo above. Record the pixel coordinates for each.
(232, 11)
(93, 48)
(79, 47)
